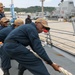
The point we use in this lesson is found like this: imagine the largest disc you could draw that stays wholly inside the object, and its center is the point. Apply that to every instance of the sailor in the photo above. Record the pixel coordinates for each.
(4, 32)
(4, 22)
(28, 19)
(1, 11)
(15, 47)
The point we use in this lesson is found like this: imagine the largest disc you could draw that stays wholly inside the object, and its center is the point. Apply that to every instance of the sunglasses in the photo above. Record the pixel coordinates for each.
(1, 7)
(6, 22)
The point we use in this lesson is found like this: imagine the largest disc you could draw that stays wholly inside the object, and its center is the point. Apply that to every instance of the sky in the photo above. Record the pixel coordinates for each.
(28, 3)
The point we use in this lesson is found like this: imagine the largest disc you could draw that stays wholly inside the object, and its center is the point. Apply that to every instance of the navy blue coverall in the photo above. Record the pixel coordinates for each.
(1, 27)
(28, 20)
(1, 16)
(3, 34)
(5, 31)
(15, 47)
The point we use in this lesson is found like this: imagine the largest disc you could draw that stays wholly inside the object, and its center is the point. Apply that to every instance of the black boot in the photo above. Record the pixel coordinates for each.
(6, 72)
(20, 72)
(21, 69)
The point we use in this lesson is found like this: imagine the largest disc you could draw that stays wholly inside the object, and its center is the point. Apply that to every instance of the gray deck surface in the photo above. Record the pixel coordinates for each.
(55, 57)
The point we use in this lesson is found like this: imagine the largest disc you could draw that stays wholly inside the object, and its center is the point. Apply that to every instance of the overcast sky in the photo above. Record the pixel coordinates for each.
(28, 3)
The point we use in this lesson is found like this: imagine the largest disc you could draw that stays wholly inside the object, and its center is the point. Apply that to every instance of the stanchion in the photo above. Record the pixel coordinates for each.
(73, 24)
(49, 38)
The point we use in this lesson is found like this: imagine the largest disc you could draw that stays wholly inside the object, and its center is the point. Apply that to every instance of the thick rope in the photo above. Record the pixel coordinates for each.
(65, 72)
(62, 70)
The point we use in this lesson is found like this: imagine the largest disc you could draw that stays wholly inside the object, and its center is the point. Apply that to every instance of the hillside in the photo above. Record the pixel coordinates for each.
(31, 9)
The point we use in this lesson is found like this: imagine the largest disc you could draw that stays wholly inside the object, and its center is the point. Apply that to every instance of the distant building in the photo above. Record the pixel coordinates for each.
(8, 14)
(66, 9)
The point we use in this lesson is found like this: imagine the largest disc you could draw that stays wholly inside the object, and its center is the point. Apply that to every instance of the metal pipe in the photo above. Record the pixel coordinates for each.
(42, 1)
(12, 12)
(11, 1)
(73, 24)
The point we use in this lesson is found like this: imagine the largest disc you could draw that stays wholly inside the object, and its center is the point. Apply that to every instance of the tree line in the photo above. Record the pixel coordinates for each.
(31, 9)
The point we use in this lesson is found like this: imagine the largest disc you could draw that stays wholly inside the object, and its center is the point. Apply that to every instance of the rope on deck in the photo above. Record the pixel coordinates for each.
(65, 72)
(62, 70)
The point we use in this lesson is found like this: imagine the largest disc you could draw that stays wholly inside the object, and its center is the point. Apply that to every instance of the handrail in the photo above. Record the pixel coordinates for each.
(53, 39)
(61, 30)
(64, 44)
(63, 38)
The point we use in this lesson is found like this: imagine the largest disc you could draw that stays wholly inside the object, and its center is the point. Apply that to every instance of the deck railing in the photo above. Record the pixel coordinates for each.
(58, 38)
